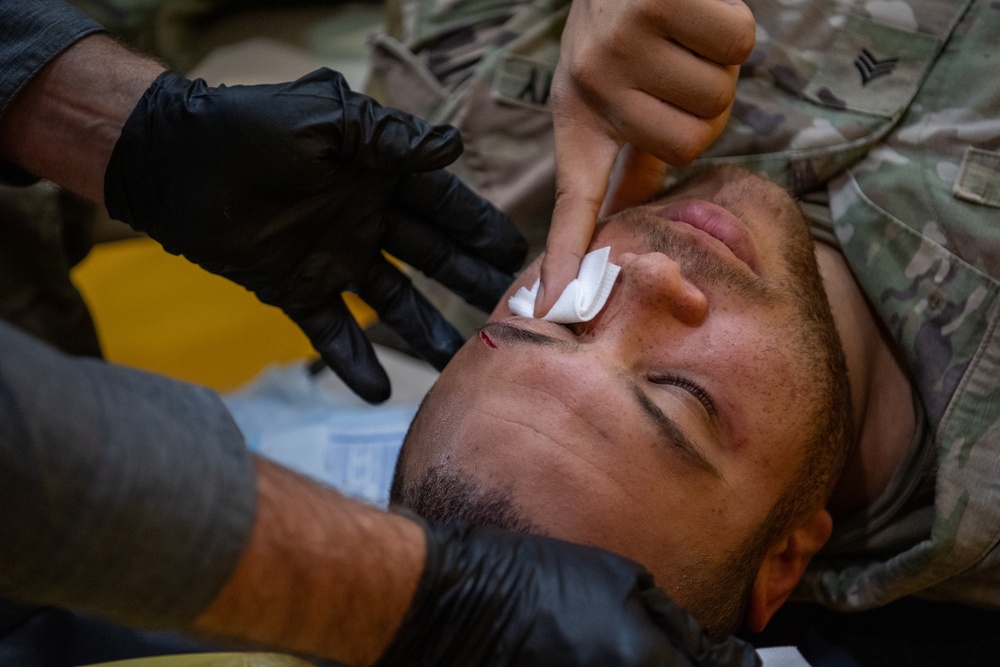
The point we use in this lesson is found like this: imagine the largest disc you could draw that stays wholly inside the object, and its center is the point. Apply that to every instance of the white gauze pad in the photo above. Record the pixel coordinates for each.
(582, 299)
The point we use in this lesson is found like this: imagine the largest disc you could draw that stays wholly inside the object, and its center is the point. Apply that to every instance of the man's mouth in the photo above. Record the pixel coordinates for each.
(718, 223)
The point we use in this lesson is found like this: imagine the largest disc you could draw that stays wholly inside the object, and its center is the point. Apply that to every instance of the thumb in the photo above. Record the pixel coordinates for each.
(394, 140)
(637, 177)
(690, 638)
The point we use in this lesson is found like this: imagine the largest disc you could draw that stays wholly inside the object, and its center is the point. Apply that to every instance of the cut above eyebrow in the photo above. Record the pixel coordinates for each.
(669, 428)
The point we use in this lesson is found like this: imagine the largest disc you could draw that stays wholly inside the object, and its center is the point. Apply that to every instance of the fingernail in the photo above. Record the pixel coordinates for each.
(539, 300)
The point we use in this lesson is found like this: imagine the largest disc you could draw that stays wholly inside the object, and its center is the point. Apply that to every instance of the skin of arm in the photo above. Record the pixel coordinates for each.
(64, 124)
(303, 584)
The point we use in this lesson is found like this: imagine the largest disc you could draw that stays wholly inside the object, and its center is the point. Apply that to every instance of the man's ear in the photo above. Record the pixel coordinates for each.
(783, 566)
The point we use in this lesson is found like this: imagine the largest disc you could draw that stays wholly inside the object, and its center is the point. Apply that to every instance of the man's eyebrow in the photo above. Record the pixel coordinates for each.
(670, 430)
(507, 332)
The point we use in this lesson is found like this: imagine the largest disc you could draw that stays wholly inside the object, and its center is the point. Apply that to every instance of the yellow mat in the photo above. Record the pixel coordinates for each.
(162, 313)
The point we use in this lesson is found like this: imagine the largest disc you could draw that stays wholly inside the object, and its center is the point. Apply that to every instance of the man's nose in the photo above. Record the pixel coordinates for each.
(651, 292)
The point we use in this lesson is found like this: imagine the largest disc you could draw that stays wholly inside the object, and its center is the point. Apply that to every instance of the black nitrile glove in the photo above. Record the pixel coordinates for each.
(293, 190)
(494, 599)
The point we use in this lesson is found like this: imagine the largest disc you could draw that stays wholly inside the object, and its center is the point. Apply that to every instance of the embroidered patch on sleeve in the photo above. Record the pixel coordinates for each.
(872, 67)
(979, 177)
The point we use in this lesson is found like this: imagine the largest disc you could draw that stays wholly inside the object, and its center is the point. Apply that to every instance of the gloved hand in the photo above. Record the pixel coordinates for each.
(293, 190)
(490, 599)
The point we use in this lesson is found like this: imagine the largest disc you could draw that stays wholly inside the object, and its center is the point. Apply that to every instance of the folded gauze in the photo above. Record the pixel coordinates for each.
(582, 299)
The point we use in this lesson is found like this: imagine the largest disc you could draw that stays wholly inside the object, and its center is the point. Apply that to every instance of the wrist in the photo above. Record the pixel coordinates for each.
(64, 124)
(321, 574)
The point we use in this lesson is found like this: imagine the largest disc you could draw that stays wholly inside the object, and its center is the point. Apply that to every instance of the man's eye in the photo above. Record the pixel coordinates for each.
(694, 389)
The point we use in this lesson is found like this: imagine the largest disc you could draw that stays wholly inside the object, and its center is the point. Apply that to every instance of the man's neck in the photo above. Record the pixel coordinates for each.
(880, 390)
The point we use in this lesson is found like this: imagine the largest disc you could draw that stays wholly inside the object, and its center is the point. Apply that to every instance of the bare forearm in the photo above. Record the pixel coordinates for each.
(322, 574)
(64, 124)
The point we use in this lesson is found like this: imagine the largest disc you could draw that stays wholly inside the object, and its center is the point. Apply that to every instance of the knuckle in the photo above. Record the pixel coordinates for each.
(717, 101)
(685, 154)
(695, 140)
(562, 92)
(664, 12)
(743, 39)
(567, 201)
(646, 13)
(586, 73)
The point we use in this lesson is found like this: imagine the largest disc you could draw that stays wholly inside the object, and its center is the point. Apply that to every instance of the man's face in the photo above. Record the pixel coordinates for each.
(670, 426)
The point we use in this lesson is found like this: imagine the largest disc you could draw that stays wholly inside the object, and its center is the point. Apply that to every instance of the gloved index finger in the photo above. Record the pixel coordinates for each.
(401, 307)
(425, 248)
(443, 202)
(584, 159)
(344, 347)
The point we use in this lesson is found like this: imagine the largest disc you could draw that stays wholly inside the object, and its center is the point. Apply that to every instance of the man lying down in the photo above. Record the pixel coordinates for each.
(698, 424)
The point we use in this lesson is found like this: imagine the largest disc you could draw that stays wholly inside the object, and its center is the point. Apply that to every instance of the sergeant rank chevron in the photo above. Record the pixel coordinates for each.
(872, 68)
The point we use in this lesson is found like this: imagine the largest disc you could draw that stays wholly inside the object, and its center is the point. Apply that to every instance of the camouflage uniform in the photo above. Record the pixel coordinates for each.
(889, 110)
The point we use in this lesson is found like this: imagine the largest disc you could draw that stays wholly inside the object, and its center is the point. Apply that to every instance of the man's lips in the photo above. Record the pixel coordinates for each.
(718, 223)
